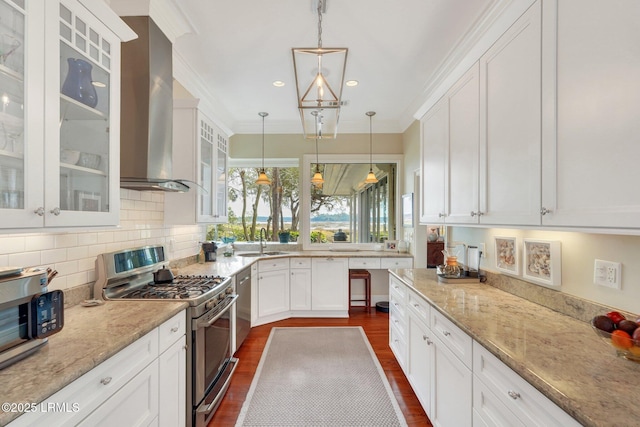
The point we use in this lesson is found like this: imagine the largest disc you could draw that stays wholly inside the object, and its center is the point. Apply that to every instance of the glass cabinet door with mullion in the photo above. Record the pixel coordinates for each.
(207, 151)
(20, 127)
(221, 178)
(84, 190)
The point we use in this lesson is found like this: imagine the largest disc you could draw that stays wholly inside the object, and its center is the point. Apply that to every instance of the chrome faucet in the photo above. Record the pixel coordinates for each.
(263, 242)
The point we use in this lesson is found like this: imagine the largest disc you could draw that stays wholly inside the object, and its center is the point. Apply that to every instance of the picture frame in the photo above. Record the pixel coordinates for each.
(542, 262)
(88, 202)
(407, 210)
(391, 245)
(507, 259)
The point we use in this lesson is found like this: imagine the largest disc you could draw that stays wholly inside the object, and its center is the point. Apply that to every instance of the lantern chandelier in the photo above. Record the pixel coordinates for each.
(319, 74)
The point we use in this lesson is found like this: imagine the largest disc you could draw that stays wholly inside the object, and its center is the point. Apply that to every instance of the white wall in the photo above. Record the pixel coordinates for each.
(73, 253)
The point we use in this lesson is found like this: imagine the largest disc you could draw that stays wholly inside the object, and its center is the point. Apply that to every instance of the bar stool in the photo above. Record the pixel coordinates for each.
(361, 274)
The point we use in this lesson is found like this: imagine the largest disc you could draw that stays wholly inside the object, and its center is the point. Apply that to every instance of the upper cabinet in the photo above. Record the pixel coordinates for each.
(597, 143)
(59, 136)
(200, 154)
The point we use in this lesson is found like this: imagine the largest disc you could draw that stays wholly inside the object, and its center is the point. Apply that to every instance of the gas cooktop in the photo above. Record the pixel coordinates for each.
(182, 287)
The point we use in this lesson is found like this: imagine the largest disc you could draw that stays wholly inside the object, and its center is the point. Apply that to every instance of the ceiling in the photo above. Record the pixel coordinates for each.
(397, 50)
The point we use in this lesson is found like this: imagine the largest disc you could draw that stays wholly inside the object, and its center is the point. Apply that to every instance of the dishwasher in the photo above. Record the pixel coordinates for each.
(243, 305)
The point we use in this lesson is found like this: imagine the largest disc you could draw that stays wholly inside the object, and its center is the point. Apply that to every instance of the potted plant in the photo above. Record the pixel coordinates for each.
(284, 236)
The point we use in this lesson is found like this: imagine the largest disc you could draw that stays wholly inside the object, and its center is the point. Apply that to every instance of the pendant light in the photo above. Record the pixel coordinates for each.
(263, 179)
(317, 179)
(319, 74)
(371, 177)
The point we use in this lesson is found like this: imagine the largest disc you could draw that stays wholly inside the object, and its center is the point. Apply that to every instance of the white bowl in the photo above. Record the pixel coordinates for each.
(69, 156)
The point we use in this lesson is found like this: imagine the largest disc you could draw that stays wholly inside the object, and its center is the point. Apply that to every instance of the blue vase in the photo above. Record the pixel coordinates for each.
(78, 83)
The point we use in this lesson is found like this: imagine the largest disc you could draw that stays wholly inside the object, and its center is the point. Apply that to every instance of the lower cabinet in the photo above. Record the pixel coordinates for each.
(420, 360)
(273, 287)
(300, 289)
(329, 284)
(142, 385)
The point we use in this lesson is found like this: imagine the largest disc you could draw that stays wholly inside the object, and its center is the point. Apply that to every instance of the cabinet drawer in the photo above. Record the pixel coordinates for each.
(273, 264)
(392, 263)
(420, 307)
(171, 330)
(398, 346)
(397, 288)
(452, 336)
(529, 405)
(488, 410)
(366, 263)
(96, 386)
(397, 304)
(300, 263)
(396, 319)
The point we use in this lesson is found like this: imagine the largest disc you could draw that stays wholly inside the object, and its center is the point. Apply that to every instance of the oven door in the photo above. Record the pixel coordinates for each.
(213, 365)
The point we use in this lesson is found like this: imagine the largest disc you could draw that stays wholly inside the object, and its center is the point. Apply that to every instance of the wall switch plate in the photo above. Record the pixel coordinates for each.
(607, 273)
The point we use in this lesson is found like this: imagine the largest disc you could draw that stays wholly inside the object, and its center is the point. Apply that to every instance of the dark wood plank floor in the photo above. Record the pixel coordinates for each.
(375, 325)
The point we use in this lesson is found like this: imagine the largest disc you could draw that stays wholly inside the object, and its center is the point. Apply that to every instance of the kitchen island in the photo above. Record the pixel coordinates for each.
(559, 355)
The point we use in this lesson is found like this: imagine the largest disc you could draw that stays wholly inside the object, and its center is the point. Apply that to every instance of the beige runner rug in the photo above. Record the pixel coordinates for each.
(319, 376)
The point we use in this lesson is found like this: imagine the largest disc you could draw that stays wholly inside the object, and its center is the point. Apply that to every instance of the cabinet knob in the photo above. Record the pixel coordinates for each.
(174, 329)
(446, 333)
(416, 305)
(441, 215)
(477, 213)
(473, 213)
(544, 211)
(55, 211)
(513, 394)
(105, 380)
(39, 211)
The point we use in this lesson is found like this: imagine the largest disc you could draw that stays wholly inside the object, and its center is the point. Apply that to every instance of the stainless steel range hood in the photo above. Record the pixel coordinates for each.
(147, 110)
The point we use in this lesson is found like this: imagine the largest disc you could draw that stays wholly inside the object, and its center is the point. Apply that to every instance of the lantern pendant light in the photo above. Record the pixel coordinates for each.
(317, 179)
(371, 177)
(263, 179)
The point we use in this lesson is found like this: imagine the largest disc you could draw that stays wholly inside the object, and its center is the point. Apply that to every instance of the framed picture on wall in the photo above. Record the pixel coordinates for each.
(507, 260)
(542, 262)
(407, 210)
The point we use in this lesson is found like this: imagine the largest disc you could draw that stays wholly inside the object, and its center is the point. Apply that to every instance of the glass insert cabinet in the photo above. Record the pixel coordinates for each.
(60, 118)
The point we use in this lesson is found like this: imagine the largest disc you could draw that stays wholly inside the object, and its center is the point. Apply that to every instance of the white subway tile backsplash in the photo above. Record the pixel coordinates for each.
(73, 254)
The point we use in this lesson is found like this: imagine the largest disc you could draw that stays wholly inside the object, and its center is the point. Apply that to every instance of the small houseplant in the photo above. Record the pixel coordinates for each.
(284, 236)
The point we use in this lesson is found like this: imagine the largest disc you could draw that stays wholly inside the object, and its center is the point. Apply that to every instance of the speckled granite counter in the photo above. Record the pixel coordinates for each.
(89, 337)
(557, 354)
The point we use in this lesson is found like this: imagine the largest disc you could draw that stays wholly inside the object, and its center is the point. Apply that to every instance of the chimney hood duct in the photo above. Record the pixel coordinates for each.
(147, 110)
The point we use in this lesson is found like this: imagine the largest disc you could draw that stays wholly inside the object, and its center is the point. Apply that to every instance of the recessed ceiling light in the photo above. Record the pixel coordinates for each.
(351, 83)
(278, 83)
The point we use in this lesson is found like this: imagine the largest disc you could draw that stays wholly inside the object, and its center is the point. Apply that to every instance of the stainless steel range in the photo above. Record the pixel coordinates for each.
(140, 274)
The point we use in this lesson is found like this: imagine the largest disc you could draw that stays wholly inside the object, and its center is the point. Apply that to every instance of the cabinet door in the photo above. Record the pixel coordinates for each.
(82, 114)
(220, 212)
(510, 125)
(420, 361)
(300, 289)
(433, 158)
(212, 164)
(464, 141)
(173, 385)
(135, 404)
(273, 292)
(21, 120)
(591, 171)
(329, 284)
(451, 393)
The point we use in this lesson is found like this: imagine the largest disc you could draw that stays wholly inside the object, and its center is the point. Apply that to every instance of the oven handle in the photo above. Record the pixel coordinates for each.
(202, 409)
(205, 323)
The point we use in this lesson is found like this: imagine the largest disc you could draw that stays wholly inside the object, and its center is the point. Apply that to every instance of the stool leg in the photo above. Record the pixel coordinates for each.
(367, 285)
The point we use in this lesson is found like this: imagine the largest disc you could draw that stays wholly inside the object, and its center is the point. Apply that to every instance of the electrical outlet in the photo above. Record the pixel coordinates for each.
(607, 273)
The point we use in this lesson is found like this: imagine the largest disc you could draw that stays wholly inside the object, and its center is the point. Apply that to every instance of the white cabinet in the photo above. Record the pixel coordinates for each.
(420, 361)
(500, 395)
(450, 150)
(143, 384)
(364, 263)
(510, 123)
(201, 157)
(329, 284)
(393, 263)
(300, 284)
(59, 152)
(597, 144)
(273, 286)
(397, 320)
(434, 129)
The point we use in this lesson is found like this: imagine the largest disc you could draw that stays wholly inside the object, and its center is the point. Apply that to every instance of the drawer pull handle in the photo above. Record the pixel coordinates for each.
(105, 380)
(416, 305)
(396, 321)
(513, 394)
(174, 329)
(396, 304)
(446, 333)
(424, 337)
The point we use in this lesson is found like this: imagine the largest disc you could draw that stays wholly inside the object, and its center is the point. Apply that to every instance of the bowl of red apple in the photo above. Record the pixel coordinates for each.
(619, 332)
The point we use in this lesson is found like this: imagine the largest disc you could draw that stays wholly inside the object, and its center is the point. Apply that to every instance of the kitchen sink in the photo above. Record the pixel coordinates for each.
(266, 253)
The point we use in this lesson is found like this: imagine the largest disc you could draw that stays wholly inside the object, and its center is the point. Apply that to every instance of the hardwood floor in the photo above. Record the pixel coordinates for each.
(375, 325)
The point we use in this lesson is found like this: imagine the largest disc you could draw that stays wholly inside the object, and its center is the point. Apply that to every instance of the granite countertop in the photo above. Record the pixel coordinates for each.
(89, 337)
(560, 356)
(228, 266)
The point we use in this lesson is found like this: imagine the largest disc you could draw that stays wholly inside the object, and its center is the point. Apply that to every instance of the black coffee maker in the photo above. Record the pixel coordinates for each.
(210, 250)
